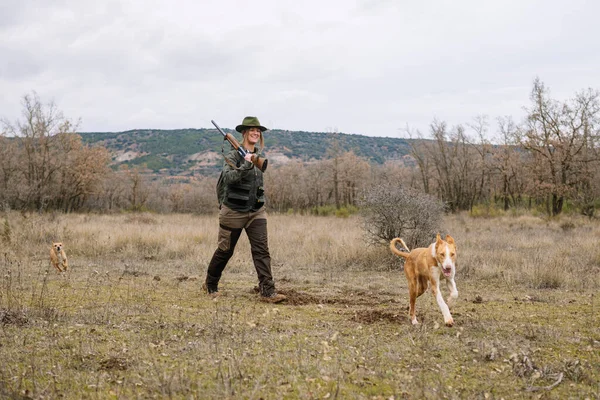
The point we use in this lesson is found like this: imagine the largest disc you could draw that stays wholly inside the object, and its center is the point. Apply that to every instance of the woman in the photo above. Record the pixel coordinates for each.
(241, 206)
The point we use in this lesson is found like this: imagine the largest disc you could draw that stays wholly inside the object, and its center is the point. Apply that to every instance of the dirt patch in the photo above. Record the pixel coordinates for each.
(375, 316)
(295, 298)
(9, 317)
(358, 298)
(114, 363)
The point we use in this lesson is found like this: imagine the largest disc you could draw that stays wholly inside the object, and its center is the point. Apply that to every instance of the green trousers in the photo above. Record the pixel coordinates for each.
(231, 224)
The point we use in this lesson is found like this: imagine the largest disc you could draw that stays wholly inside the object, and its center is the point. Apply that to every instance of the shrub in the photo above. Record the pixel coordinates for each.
(567, 226)
(7, 232)
(323, 211)
(391, 211)
(485, 211)
(548, 278)
(343, 212)
(328, 210)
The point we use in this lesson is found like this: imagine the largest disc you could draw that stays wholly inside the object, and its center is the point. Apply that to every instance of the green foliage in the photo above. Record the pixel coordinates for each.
(352, 209)
(323, 211)
(342, 212)
(153, 162)
(346, 211)
(6, 233)
(169, 149)
(485, 211)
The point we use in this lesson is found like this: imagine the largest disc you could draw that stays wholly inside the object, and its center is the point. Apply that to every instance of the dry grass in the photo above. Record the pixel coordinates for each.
(129, 320)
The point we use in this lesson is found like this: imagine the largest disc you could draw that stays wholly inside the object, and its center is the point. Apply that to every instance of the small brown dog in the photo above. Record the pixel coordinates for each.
(58, 257)
(424, 267)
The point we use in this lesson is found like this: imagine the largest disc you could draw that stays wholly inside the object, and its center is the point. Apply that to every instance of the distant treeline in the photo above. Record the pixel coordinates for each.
(550, 161)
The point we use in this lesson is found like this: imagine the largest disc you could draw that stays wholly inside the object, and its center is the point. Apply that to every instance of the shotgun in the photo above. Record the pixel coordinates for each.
(260, 162)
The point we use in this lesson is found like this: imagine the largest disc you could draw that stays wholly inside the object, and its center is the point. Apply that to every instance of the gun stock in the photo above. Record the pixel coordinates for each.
(260, 162)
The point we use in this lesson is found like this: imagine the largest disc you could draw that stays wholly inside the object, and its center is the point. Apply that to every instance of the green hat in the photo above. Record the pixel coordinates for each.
(250, 122)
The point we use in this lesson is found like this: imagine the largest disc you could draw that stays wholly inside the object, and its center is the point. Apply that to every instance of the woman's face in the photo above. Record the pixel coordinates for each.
(252, 135)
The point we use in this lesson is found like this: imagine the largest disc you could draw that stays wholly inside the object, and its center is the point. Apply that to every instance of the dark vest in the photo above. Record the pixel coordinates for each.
(247, 194)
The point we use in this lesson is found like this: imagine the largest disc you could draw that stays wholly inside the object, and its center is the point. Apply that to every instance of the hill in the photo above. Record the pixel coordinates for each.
(189, 151)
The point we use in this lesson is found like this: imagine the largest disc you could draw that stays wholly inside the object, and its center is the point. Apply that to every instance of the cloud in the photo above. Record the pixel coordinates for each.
(368, 67)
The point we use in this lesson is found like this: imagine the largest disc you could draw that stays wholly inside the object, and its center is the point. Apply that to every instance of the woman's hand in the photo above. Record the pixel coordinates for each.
(248, 157)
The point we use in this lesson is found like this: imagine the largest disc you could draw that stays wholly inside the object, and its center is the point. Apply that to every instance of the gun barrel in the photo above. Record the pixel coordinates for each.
(218, 127)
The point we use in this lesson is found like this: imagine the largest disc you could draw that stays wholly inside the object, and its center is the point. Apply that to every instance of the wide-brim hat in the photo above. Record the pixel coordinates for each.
(250, 122)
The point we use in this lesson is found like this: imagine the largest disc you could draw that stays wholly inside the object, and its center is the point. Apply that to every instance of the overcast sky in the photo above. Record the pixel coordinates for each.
(370, 67)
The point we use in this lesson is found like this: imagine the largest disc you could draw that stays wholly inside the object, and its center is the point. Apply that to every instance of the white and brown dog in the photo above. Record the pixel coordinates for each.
(58, 257)
(425, 267)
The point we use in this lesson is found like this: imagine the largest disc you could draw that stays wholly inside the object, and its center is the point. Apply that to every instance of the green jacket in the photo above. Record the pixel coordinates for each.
(241, 189)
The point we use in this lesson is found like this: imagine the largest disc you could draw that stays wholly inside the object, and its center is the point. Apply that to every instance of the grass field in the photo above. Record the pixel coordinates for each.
(129, 320)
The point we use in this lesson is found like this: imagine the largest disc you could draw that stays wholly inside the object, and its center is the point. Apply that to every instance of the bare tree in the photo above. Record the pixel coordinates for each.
(397, 173)
(420, 155)
(137, 192)
(451, 165)
(353, 175)
(82, 171)
(508, 164)
(36, 130)
(8, 172)
(480, 155)
(316, 176)
(44, 164)
(110, 196)
(286, 187)
(334, 152)
(561, 138)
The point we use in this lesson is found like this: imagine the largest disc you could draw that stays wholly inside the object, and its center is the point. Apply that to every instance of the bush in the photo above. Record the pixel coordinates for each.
(328, 210)
(485, 211)
(7, 231)
(343, 212)
(391, 211)
(323, 211)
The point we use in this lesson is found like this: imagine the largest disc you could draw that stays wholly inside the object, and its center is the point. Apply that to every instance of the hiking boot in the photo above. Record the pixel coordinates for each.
(273, 298)
(214, 293)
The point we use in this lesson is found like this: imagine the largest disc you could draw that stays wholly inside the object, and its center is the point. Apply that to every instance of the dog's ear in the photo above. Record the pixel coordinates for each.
(438, 238)
(450, 239)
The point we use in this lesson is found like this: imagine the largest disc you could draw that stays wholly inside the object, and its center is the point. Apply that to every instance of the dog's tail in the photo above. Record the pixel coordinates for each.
(396, 251)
